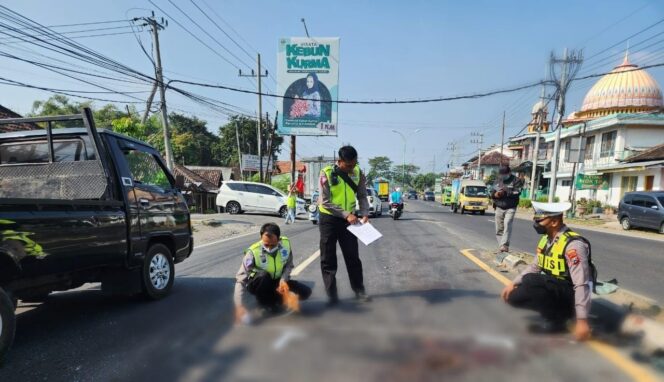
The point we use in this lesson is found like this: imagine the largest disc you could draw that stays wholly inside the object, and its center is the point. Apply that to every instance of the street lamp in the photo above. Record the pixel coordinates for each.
(403, 167)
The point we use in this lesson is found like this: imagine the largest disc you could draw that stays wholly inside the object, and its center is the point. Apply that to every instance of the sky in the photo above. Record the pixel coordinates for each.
(388, 50)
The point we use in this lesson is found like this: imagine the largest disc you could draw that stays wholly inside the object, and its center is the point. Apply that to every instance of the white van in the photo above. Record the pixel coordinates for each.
(237, 197)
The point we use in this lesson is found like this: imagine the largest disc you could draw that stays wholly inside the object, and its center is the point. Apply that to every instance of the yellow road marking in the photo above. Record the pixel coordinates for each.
(297, 270)
(629, 367)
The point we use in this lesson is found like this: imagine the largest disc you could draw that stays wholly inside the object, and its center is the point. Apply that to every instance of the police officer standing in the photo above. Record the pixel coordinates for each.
(340, 186)
(559, 284)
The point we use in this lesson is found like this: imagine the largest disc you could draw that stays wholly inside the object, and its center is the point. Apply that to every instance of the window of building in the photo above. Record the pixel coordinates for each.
(628, 184)
(590, 145)
(608, 144)
(566, 183)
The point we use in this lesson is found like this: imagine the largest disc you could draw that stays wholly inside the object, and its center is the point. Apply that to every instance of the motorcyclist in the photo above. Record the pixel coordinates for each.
(396, 197)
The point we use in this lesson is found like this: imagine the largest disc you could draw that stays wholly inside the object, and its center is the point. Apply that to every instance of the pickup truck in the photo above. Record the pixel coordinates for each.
(81, 205)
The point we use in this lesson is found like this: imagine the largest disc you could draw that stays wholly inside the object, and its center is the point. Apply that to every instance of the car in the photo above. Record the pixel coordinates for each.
(375, 204)
(412, 194)
(429, 196)
(642, 209)
(236, 197)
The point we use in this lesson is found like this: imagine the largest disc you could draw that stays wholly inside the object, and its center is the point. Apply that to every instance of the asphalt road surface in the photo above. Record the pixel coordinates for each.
(435, 316)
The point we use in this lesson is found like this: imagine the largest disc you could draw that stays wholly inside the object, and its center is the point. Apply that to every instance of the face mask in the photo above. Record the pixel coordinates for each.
(539, 228)
(271, 251)
(505, 177)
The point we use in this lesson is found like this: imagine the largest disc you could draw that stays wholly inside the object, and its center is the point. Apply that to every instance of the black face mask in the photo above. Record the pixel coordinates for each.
(539, 228)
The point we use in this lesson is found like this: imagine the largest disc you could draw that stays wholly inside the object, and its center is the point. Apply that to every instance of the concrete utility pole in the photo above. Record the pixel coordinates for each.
(502, 139)
(155, 27)
(259, 126)
(541, 113)
(239, 151)
(452, 146)
(571, 62)
(403, 166)
(479, 140)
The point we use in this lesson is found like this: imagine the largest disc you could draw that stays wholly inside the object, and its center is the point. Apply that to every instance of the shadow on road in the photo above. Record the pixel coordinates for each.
(438, 295)
(95, 337)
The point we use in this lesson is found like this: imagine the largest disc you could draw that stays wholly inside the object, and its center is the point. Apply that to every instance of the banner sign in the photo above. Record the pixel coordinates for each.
(308, 78)
(251, 162)
(592, 182)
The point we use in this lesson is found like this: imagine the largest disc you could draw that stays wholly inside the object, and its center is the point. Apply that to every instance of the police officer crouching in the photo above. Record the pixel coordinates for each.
(559, 284)
(265, 273)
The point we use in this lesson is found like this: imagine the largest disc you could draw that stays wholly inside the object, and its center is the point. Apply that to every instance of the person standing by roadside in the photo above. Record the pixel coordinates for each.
(291, 203)
(340, 186)
(505, 197)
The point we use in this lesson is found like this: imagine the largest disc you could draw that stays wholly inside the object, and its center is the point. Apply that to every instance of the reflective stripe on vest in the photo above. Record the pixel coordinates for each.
(553, 262)
(341, 194)
(272, 264)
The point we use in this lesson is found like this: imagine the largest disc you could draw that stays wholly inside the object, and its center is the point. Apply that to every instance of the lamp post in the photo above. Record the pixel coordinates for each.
(403, 167)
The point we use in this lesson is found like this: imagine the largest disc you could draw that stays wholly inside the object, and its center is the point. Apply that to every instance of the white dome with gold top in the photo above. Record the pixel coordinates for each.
(626, 89)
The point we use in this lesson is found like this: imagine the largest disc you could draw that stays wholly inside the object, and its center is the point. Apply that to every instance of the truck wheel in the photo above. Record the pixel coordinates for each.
(482, 212)
(7, 323)
(158, 272)
(233, 208)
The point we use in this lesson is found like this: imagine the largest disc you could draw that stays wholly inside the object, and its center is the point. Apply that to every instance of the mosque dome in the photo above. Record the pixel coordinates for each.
(624, 89)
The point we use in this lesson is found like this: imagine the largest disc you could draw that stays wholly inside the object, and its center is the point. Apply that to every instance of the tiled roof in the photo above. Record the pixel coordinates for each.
(493, 158)
(284, 166)
(6, 113)
(653, 153)
(196, 180)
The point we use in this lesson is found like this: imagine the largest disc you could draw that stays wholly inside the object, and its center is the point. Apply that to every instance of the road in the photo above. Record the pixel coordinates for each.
(637, 263)
(435, 316)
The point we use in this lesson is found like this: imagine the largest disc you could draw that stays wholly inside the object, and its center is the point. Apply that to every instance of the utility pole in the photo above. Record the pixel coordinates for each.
(571, 63)
(258, 77)
(479, 140)
(239, 151)
(155, 27)
(541, 114)
(502, 139)
(452, 146)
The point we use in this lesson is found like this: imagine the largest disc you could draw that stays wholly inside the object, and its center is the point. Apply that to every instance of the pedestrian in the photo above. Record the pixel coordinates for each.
(265, 274)
(505, 196)
(291, 202)
(340, 186)
(559, 284)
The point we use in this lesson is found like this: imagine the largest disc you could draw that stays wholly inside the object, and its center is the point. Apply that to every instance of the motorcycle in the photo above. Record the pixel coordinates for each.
(395, 211)
(313, 208)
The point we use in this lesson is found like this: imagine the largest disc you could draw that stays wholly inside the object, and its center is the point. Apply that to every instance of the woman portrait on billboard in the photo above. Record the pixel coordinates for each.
(306, 103)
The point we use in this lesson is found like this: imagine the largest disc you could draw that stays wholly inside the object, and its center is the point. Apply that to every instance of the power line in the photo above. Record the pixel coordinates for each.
(84, 36)
(627, 39)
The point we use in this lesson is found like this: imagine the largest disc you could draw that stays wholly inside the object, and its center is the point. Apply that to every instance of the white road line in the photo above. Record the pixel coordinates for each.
(305, 263)
(491, 220)
(223, 240)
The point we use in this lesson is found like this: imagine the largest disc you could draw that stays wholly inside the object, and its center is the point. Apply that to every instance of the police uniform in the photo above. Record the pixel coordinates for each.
(261, 272)
(336, 202)
(559, 284)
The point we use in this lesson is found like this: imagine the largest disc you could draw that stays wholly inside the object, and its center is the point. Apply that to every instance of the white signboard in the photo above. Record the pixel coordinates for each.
(251, 162)
(308, 79)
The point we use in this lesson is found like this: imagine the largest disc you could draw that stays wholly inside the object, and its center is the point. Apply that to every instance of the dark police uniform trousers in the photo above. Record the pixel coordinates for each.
(333, 229)
(264, 287)
(551, 297)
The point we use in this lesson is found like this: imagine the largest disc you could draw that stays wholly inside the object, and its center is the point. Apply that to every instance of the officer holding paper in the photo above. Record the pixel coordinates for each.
(340, 186)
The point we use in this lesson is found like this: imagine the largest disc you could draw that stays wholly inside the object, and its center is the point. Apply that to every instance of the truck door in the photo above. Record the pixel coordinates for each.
(161, 209)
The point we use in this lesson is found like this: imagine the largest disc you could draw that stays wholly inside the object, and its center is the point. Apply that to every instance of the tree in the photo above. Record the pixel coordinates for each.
(379, 167)
(424, 181)
(246, 127)
(398, 174)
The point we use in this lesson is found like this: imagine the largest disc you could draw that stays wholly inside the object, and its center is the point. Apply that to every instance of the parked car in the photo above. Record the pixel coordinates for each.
(236, 197)
(642, 209)
(83, 205)
(375, 204)
(412, 194)
(429, 196)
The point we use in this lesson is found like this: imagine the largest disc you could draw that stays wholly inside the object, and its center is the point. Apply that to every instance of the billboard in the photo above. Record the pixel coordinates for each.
(592, 182)
(251, 162)
(308, 78)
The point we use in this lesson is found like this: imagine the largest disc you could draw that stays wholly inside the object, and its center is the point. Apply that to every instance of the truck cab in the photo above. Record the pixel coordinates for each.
(469, 195)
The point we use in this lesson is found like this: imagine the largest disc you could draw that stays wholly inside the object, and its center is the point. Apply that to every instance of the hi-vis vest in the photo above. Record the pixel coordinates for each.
(553, 262)
(340, 193)
(270, 263)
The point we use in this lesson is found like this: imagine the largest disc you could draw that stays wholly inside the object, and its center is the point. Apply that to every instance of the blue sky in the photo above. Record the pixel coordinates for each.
(389, 50)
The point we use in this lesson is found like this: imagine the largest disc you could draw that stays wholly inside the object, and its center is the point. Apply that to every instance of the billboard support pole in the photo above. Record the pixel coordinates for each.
(292, 159)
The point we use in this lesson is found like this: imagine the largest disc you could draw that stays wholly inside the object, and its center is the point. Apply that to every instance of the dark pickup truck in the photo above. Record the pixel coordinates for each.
(80, 205)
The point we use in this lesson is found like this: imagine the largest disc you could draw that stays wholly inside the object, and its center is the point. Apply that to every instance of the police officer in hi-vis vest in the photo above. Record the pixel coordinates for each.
(558, 285)
(265, 273)
(340, 186)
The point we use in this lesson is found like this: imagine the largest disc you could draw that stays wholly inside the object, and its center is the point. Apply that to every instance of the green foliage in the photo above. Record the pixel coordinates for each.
(398, 174)
(525, 203)
(423, 181)
(281, 182)
(379, 167)
(246, 130)
(545, 199)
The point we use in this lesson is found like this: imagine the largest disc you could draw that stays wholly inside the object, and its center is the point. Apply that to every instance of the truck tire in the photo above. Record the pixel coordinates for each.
(158, 272)
(7, 324)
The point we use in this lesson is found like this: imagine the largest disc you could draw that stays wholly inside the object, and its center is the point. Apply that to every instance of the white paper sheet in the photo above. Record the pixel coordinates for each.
(365, 232)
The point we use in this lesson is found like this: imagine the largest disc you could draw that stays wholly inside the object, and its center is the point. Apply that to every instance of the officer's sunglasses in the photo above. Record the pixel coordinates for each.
(540, 220)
